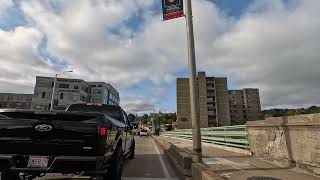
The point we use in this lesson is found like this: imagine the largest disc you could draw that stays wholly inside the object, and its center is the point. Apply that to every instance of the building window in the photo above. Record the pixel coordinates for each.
(44, 83)
(43, 95)
(64, 86)
(183, 119)
(61, 95)
(100, 85)
(93, 86)
(20, 98)
(75, 87)
(99, 91)
(75, 97)
(52, 84)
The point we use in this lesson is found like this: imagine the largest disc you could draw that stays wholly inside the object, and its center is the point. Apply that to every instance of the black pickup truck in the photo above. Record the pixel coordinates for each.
(92, 143)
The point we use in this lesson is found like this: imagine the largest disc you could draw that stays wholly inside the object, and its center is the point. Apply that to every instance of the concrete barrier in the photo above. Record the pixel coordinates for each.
(292, 141)
(181, 160)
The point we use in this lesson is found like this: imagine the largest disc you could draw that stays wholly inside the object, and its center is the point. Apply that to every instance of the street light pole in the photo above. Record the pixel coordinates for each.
(194, 101)
(53, 91)
(54, 88)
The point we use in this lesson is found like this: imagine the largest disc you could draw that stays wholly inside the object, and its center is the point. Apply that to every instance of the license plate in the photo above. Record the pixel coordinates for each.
(38, 161)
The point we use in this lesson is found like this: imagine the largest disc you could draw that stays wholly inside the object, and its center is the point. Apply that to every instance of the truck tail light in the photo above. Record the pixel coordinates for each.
(103, 131)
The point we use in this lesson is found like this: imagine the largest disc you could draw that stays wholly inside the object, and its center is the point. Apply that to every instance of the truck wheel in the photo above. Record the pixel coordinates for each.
(115, 171)
(132, 150)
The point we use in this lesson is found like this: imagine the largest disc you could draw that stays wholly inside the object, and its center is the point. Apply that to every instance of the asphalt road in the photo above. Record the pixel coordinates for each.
(149, 164)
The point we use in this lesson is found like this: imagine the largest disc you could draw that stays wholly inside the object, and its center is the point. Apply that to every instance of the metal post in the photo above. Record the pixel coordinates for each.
(195, 115)
(53, 91)
(153, 121)
(54, 87)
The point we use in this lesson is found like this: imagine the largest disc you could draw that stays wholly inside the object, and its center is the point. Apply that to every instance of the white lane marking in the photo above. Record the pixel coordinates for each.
(165, 170)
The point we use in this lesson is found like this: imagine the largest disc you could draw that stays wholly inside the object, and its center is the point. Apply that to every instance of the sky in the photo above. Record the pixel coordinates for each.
(272, 45)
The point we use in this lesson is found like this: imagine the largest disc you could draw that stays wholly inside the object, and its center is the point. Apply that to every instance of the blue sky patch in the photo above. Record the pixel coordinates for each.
(12, 18)
(49, 58)
(233, 8)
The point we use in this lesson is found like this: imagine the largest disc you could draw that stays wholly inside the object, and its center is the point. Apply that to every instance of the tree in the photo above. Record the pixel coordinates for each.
(145, 119)
(291, 112)
(131, 117)
(174, 117)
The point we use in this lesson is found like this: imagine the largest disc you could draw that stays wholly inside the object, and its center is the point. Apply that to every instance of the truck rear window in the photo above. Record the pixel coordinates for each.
(110, 110)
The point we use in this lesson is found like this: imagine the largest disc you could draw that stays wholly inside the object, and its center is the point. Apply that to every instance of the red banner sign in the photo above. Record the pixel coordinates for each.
(172, 9)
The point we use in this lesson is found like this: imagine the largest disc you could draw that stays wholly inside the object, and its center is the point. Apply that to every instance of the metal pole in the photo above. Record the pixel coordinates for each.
(53, 91)
(195, 115)
(153, 121)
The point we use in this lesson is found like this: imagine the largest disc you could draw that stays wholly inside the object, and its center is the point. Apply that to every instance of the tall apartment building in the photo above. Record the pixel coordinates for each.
(213, 101)
(103, 93)
(237, 109)
(218, 106)
(244, 105)
(71, 91)
(252, 104)
(15, 101)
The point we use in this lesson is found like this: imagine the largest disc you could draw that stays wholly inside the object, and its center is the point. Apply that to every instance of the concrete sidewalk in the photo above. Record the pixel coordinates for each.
(236, 166)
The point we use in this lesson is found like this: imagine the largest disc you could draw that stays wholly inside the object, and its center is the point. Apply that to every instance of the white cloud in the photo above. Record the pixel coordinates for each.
(274, 49)
(137, 104)
(19, 61)
(4, 5)
(81, 34)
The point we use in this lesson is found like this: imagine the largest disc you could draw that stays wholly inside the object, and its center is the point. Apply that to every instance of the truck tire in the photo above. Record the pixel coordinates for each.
(132, 150)
(115, 171)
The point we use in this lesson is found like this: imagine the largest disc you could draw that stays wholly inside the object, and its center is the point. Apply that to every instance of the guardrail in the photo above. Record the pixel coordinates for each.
(233, 136)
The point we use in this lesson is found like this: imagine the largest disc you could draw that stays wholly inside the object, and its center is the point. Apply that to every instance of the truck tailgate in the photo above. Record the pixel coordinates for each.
(50, 134)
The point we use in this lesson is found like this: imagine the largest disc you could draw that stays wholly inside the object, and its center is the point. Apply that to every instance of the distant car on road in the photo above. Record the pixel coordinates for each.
(144, 132)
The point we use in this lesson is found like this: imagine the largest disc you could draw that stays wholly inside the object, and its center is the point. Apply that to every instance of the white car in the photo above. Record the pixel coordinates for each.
(144, 132)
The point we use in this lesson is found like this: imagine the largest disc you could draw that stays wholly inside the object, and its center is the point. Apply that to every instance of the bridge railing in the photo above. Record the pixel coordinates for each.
(233, 136)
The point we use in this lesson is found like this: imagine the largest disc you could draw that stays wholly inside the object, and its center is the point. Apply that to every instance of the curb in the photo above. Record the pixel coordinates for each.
(181, 160)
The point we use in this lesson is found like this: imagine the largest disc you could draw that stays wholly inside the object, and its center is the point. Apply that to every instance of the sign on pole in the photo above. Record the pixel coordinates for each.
(172, 9)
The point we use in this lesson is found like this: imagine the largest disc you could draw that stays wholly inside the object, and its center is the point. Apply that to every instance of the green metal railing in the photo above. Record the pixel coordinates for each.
(233, 136)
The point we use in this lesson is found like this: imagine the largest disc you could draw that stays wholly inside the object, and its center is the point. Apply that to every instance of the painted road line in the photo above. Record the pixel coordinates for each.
(165, 170)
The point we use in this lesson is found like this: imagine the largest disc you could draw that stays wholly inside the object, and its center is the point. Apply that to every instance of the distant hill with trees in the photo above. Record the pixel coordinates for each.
(290, 112)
